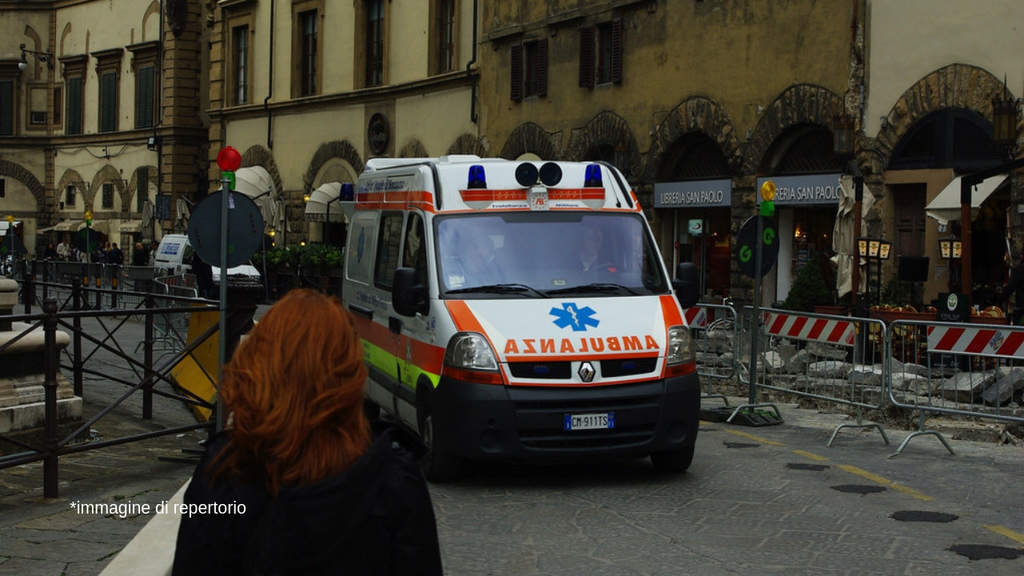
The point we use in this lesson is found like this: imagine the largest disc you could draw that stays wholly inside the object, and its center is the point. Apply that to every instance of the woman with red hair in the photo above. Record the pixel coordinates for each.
(297, 484)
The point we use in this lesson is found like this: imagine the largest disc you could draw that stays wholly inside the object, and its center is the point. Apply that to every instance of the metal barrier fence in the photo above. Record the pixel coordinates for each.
(54, 277)
(838, 359)
(969, 370)
(172, 327)
(714, 327)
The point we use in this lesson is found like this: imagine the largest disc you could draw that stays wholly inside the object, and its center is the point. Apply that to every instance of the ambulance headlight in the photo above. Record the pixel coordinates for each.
(470, 351)
(680, 346)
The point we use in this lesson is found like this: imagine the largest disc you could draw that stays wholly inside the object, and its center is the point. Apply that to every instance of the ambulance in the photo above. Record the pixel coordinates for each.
(519, 310)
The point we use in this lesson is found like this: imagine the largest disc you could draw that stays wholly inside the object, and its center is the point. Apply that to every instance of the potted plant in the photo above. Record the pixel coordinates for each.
(809, 291)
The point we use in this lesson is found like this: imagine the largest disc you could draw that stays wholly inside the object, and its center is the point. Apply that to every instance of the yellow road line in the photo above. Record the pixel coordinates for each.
(1004, 531)
(810, 455)
(754, 438)
(883, 481)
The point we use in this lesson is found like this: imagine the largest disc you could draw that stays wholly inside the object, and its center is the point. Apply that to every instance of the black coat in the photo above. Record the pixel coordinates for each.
(375, 518)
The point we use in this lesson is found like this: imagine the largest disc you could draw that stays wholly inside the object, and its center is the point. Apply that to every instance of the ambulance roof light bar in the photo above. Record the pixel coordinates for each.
(477, 178)
(592, 177)
(347, 193)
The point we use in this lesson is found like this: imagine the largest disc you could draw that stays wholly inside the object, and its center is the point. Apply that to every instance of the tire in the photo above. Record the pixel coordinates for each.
(673, 461)
(438, 464)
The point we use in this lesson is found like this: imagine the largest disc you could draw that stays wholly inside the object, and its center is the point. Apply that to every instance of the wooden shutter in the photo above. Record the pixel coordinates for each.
(542, 67)
(516, 66)
(587, 57)
(617, 29)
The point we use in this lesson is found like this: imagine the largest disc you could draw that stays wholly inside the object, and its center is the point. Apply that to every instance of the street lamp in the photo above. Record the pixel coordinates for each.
(44, 57)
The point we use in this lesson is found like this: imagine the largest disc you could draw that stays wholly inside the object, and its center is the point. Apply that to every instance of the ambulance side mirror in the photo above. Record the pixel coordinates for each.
(685, 284)
(407, 295)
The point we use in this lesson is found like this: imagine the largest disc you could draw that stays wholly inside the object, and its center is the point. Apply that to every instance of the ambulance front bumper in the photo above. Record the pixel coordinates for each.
(491, 422)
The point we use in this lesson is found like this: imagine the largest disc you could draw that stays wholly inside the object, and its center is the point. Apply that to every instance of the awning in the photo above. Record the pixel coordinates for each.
(101, 226)
(256, 183)
(317, 207)
(945, 208)
(67, 226)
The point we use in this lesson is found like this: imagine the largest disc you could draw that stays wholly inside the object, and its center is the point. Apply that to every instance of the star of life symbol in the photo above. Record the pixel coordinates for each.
(571, 315)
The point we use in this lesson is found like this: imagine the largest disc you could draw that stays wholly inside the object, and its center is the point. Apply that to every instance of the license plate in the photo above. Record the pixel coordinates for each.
(603, 421)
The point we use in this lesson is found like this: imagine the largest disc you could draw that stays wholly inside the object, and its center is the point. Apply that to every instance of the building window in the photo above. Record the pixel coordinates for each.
(443, 35)
(74, 108)
(529, 69)
(141, 189)
(108, 102)
(108, 196)
(108, 70)
(374, 42)
(69, 197)
(145, 96)
(3, 188)
(37, 99)
(240, 65)
(6, 107)
(389, 240)
(601, 54)
(308, 53)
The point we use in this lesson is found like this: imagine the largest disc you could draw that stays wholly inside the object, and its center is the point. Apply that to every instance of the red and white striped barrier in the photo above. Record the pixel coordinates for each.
(840, 332)
(696, 317)
(976, 341)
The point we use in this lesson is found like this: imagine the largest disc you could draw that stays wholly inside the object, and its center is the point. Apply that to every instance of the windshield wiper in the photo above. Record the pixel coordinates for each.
(499, 289)
(594, 287)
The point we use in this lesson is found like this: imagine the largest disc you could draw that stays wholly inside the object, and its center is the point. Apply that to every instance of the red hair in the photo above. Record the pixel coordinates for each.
(295, 389)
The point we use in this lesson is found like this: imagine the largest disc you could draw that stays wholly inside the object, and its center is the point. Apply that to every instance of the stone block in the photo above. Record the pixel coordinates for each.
(829, 369)
(1008, 381)
(826, 351)
(866, 375)
(966, 387)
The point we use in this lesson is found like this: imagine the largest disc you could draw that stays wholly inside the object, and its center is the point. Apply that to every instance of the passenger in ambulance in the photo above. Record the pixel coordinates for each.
(591, 260)
(479, 260)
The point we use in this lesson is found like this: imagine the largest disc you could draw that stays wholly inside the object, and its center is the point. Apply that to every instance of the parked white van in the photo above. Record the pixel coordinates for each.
(174, 256)
(519, 310)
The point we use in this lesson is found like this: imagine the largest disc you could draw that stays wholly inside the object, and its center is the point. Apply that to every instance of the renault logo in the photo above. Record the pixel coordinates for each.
(586, 371)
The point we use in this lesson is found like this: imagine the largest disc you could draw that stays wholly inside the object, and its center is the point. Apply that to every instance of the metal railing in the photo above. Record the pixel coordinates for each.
(147, 373)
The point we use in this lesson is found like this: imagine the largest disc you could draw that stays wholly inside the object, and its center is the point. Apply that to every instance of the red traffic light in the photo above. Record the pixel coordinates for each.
(229, 159)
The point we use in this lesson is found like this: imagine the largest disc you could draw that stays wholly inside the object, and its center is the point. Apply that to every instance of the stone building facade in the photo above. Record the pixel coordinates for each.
(100, 112)
(308, 91)
(692, 100)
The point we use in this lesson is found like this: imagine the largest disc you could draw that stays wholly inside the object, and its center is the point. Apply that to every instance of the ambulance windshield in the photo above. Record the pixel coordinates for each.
(541, 254)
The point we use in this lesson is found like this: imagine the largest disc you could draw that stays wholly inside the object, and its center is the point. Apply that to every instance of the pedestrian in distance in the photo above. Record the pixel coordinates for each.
(63, 250)
(204, 277)
(1015, 287)
(139, 255)
(116, 256)
(51, 252)
(313, 491)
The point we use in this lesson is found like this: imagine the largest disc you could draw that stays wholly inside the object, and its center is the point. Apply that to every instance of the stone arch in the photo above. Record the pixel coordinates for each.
(64, 36)
(468, 144)
(606, 129)
(334, 149)
(529, 137)
(133, 186)
(153, 10)
(37, 45)
(257, 155)
(413, 149)
(953, 86)
(21, 174)
(71, 177)
(695, 114)
(106, 174)
(798, 104)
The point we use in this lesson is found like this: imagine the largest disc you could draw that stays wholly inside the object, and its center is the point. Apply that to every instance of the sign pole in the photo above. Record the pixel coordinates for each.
(229, 160)
(755, 322)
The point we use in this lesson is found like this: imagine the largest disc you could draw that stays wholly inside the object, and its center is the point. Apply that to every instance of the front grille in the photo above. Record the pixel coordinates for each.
(627, 367)
(540, 415)
(541, 370)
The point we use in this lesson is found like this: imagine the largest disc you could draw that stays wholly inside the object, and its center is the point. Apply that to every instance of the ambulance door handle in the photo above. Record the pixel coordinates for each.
(366, 312)
(395, 325)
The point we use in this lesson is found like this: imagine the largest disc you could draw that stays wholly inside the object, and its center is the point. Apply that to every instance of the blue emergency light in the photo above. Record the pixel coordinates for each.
(348, 192)
(592, 177)
(477, 179)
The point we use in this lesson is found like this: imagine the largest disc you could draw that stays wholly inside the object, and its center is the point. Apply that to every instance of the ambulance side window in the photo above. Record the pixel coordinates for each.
(414, 254)
(389, 238)
(359, 258)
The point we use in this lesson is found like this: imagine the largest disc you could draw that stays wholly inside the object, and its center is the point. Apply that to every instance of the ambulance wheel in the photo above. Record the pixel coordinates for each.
(673, 460)
(438, 464)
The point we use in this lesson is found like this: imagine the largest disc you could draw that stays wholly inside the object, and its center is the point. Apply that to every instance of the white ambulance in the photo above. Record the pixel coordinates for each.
(519, 310)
